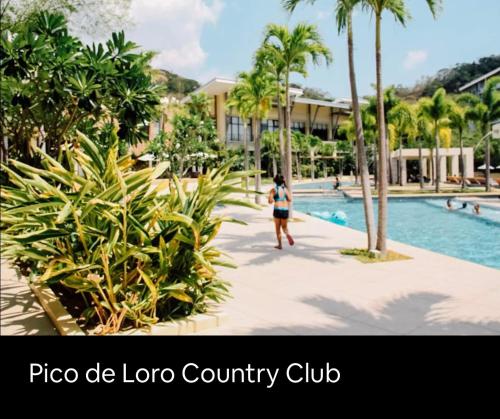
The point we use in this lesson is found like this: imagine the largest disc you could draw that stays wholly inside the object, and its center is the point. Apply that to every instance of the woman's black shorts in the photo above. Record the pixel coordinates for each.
(281, 214)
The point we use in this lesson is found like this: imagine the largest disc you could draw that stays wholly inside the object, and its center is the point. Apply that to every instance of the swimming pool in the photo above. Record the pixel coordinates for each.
(423, 223)
(326, 185)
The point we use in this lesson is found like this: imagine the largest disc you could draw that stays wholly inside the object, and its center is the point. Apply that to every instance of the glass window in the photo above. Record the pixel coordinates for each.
(321, 131)
(299, 126)
(269, 125)
(235, 128)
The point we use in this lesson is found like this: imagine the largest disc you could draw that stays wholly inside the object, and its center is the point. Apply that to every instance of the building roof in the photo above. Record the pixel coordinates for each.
(219, 86)
(324, 103)
(480, 79)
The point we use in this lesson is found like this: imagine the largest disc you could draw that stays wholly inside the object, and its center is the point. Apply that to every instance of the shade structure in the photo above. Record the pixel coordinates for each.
(483, 167)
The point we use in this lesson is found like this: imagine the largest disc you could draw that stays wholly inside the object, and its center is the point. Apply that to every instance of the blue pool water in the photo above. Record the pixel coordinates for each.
(423, 223)
(328, 186)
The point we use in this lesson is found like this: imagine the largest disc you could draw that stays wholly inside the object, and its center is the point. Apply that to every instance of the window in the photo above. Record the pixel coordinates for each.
(269, 125)
(235, 129)
(299, 126)
(320, 131)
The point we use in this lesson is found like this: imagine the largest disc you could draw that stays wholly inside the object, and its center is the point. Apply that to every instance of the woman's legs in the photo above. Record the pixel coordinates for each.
(277, 225)
(284, 226)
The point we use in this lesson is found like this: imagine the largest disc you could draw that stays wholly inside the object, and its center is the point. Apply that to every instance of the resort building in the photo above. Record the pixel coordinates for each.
(321, 118)
(476, 86)
(449, 165)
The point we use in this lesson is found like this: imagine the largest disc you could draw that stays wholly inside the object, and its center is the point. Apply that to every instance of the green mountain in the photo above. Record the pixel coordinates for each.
(450, 78)
(174, 85)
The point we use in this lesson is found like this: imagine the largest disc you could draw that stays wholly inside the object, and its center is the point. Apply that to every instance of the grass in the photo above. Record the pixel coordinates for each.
(364, 256)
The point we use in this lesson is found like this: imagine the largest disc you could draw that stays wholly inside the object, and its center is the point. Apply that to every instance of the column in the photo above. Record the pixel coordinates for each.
(424, 167)
(469, 162)
(330, 126)
(455, 166)
(404, 175)
(443, 166)
(220, 117)
(394, 169)
(308, 120)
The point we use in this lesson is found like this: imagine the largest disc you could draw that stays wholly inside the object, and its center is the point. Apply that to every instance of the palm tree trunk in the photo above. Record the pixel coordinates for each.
(280, 128)
(420, 165)
(383, 152)
(288, 146)
(400, 172)
(438, 158)
(360, 142)
(462, 159)
(313, 169)
(258, 160)
(245, 151)
(488, 163)
(375, 164)
(275, 167)
(299, 167)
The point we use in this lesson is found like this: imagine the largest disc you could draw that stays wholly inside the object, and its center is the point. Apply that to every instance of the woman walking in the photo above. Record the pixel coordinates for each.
(280, 197)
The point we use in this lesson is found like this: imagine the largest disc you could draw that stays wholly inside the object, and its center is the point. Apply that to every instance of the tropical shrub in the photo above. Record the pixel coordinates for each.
(138, 252)
(52, 85)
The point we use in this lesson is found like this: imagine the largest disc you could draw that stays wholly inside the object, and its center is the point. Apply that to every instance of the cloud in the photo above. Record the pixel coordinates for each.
(173, 29)
(415, 58)
(322, 15)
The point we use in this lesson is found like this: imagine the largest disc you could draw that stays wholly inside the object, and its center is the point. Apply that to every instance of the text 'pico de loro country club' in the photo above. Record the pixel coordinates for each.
(190, 373)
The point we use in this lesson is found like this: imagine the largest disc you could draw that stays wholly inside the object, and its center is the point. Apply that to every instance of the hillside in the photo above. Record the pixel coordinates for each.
(450, 78)
(174, 85)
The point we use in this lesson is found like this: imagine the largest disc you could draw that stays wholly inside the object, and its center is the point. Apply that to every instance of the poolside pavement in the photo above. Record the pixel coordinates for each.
(311, 289)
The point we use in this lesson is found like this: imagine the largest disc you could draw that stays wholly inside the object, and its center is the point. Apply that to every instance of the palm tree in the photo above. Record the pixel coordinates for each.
(271, 147)
(424, 137)
(256, 90)
(458, 122)
(398, 9)
(437, 110)
(344, 11)
(238, 100)
(402, 123)
(294, 49)
(269, 59)
(483, 111)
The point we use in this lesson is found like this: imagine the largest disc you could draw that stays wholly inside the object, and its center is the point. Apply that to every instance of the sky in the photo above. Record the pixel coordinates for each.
(203, 39)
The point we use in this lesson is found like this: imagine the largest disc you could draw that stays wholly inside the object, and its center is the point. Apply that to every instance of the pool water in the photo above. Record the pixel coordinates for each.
(424, 223)
(320, 185)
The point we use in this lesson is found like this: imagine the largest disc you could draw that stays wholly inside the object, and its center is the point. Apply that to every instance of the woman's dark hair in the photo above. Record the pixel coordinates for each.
(279, 180)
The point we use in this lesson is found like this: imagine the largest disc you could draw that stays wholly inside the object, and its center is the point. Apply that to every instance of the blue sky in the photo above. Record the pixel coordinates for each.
(207, 38)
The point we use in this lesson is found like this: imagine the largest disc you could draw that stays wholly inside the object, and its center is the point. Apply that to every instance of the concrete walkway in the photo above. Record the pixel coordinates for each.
(20, 312)
(311, 289)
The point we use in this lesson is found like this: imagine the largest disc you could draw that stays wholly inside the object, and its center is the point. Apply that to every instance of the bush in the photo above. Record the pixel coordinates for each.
(107, 233)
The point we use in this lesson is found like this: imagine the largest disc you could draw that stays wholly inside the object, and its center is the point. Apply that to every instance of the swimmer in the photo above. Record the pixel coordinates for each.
(477, 209)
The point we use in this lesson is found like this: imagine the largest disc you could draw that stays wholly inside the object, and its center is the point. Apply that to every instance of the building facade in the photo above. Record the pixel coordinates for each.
(321, 118)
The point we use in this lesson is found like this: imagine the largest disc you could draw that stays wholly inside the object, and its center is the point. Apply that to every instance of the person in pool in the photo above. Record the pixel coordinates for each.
(449, 206)
(477, 209)
(280, 197)
(336, 184)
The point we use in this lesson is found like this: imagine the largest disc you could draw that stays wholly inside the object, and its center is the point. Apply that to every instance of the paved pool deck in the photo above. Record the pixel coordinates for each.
(310, 289)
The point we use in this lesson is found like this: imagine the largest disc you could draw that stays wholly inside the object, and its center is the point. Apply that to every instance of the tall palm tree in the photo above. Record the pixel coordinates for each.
(483, 111)
(344, 10)
(424, 138)
(238, 100)
(437, 110)
(403, 124)
(257, 91)
(269, 59)
(458, 122)
(398, 9)
(295, 48)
